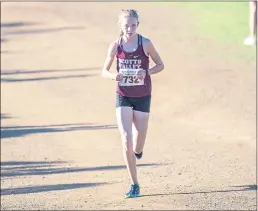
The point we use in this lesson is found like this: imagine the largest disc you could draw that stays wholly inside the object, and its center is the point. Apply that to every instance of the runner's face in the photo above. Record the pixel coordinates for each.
(129, 26)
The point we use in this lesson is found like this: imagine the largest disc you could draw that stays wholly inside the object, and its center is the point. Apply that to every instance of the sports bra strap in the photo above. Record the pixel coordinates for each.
(139, 39)
(120, 41)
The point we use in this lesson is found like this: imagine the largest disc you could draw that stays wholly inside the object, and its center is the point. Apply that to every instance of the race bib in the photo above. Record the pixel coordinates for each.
(129, 77)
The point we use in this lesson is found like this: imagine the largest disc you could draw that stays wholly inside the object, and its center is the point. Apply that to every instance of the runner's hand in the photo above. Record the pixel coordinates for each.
(119, 77)
(141, 74)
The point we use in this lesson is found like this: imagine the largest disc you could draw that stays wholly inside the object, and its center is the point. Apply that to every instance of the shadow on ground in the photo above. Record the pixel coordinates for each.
(46, 188)
(16, 24)
(16, 168)
(5, 52)
(24, 72)
(47, 30)
(20, 131)
(3, 40)
(229, 189)
(22, 163)
(10, 80)
(27, 72)
(5, 116)
(13, 31)
(20, 28)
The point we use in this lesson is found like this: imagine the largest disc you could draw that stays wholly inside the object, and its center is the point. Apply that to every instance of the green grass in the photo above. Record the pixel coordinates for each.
(223, 21)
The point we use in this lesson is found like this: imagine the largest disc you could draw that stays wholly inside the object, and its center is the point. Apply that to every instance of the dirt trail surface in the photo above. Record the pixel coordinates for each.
(60, 147)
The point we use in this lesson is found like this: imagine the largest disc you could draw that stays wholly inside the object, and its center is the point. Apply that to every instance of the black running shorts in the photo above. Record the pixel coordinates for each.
(136, 103)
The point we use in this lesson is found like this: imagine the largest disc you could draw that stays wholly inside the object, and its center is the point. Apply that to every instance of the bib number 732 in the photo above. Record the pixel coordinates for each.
(130, 78)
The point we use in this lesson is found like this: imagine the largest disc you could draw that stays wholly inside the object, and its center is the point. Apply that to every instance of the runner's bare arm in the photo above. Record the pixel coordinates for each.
(151, 50)
(109, 60)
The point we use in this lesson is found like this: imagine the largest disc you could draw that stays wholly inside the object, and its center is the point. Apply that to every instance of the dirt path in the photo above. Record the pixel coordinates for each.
(60, 148)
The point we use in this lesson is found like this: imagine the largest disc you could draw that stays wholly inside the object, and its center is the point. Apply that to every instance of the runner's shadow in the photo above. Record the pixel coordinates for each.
(243, 188)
